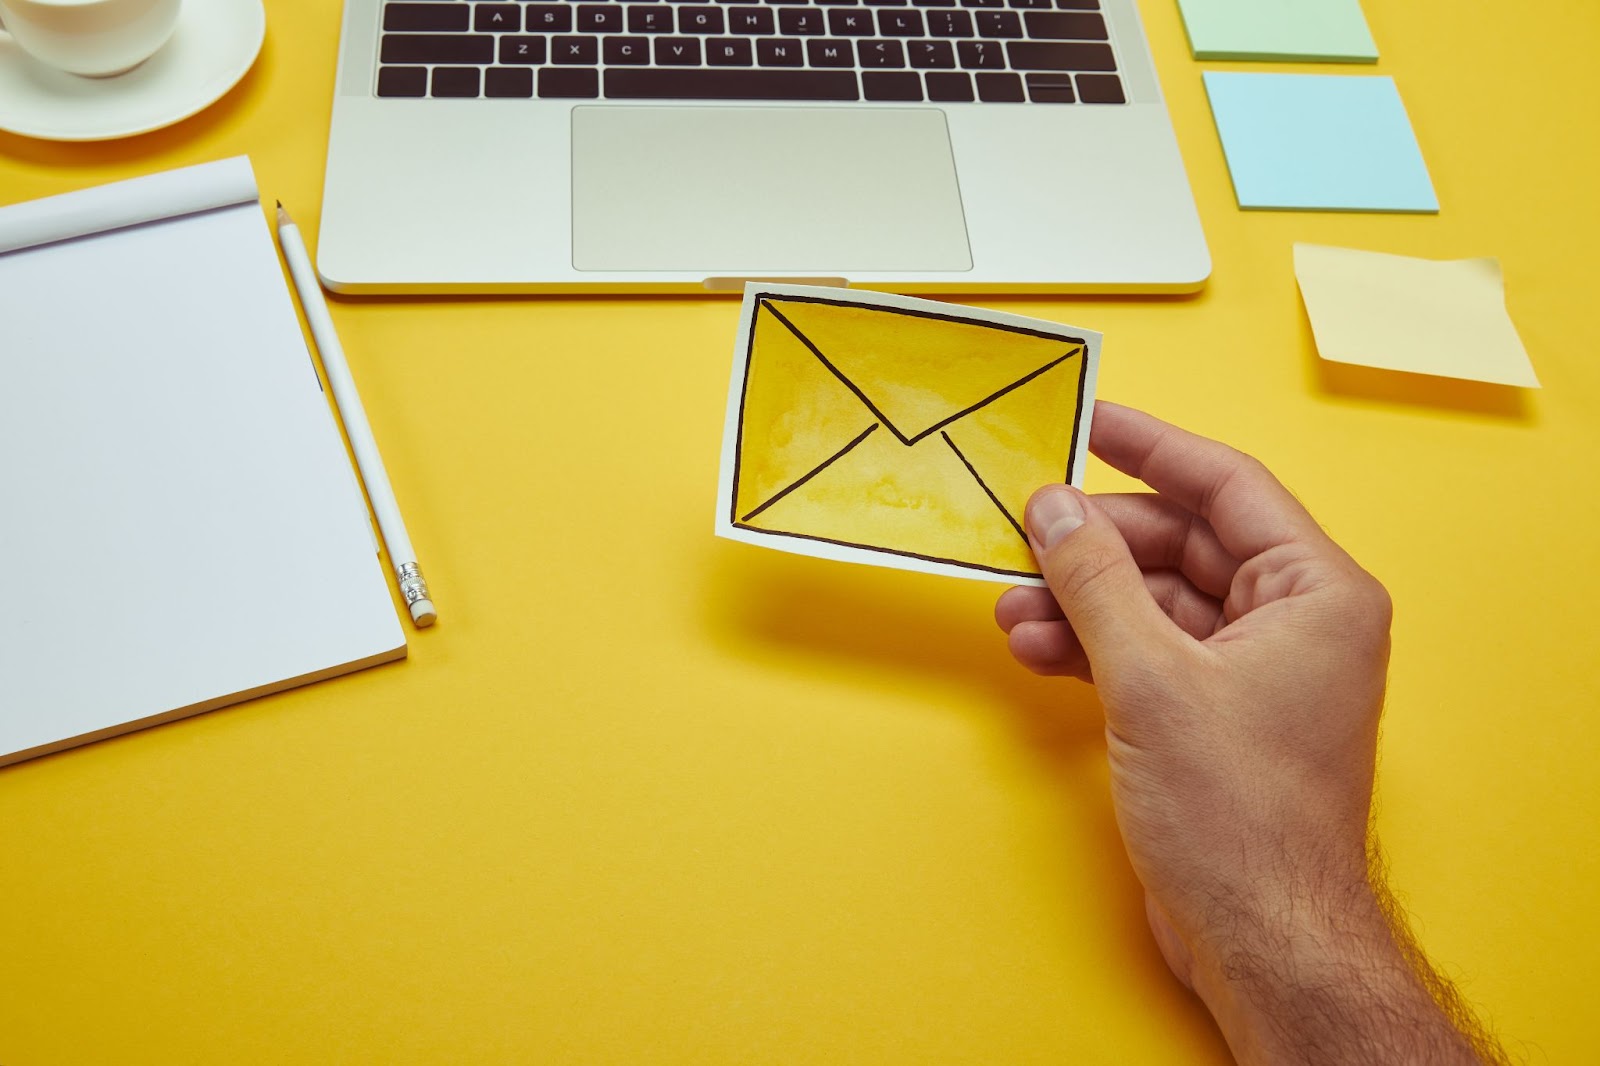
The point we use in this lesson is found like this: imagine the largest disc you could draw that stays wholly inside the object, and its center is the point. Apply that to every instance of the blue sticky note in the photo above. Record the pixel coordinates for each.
(1319, 142)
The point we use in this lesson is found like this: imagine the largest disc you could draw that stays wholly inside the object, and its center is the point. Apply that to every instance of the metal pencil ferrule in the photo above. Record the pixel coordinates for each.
(412, 584)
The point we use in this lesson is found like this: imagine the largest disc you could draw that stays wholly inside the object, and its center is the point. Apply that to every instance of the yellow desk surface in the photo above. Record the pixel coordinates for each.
(645, 796)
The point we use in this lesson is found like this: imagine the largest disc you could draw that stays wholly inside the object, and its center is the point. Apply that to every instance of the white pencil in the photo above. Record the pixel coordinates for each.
(406, 571)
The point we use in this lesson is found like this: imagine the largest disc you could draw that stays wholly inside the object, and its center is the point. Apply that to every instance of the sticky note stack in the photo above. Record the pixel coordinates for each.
(1319, 142)
(1326, 31)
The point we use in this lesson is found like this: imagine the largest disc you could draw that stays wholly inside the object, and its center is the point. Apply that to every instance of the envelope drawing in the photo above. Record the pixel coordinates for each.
(906, 433)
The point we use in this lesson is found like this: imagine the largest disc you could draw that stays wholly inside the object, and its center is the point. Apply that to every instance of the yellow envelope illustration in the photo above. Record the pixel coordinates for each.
(901, 432)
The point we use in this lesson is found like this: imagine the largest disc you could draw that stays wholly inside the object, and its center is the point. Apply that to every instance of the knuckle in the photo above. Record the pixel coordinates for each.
(1380, 605)
(1249, 464)
(1248, 468)
(1368, 607)
(1085, 572)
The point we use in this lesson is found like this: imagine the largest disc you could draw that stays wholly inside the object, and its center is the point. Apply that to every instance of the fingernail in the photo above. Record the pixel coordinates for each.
(1052, 514)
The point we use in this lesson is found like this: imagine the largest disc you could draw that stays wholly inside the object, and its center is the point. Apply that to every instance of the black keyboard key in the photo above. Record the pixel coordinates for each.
(780, 52)
(900, 23)
(885, 3)
(983, 3)
(626, 51)
(522, 50)
(678, 51)
(625, 83)
(497, 18)
(402, 81)
(508, 81)
(784, 1)
(999, 88)
(841, 2)
(728, 52)
(883, 85)
(801, 22)
(1060, 55)
(850, 22)
(1078, 5)
(877, 55)
(599, 18)
(1050, 89)
(1065, 26)
(949, 88)
(751, 20)
(657, 19)
(934, 3)
(981, 55)
(549, 18)
(705, 20)
(569, 83)
(1031, 4)
(999, 24)
(830, 53)
(949, 24)
(430, 48)
(573, 52)
(426, 18)
(931, 55)
(1100, 89)
(455, 81)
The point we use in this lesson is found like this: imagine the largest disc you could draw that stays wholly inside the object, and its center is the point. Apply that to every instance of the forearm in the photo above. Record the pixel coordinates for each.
(1330, 975)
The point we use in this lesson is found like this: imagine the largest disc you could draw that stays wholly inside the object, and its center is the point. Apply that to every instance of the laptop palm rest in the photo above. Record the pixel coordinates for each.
(757, 189)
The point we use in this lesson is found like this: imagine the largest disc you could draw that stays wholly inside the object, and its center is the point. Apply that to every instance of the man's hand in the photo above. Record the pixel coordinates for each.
(1240, 655)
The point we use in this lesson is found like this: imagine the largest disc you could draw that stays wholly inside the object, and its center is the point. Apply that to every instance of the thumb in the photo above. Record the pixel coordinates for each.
(1090, 570)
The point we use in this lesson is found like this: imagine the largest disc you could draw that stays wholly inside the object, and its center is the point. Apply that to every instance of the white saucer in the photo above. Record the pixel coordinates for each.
(215, 42)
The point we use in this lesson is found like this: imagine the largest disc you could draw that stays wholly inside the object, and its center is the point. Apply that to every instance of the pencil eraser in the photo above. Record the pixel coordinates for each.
(423, 614)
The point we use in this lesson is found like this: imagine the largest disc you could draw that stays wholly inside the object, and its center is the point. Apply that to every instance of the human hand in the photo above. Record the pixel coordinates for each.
(1240, 655)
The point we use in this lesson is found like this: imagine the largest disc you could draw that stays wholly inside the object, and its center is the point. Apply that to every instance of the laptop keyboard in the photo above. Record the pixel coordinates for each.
(946, 51)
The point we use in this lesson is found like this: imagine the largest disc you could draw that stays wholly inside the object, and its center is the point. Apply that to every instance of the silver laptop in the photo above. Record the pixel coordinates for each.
(687, 145)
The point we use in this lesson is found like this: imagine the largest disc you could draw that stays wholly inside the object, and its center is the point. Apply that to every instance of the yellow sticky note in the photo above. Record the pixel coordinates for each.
(1426, 316)
(873, 428)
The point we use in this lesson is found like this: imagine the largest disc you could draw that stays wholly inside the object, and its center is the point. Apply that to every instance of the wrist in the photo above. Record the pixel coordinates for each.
(1276, 894)
(1267, 944)
(1316, 974)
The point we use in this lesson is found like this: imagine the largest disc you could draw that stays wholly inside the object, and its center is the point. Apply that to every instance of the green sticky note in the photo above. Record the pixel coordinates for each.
(1332, 31)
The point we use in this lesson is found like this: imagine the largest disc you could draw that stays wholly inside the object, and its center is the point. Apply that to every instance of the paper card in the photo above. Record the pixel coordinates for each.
(1319, 142)
(1318, 30)
(1426, 316)
(898, 432)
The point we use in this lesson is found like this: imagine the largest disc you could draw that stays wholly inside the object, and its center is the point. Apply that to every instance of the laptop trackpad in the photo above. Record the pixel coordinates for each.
(724, 190)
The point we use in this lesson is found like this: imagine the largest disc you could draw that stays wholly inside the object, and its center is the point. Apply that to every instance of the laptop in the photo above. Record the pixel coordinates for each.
(961, 146)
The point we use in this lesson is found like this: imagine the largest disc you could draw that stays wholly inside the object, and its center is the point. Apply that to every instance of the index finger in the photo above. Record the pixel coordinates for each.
(1249, 509)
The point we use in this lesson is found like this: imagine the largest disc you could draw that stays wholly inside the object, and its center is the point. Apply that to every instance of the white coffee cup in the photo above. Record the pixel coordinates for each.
(95, 38)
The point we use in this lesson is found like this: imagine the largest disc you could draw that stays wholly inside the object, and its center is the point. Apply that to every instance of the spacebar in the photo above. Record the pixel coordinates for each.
(662, 84)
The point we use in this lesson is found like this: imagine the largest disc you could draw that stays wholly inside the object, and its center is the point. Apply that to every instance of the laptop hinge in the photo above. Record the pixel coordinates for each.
(737, 284)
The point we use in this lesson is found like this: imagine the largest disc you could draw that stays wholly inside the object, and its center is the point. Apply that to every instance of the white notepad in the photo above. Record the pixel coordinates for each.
(180, 526)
